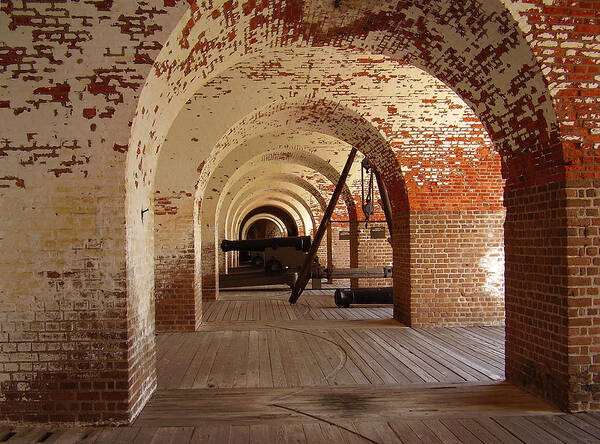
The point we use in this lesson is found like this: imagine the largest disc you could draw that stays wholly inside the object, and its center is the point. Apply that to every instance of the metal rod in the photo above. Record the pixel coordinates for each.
(385, 201)
(304, 274)
(329, 249)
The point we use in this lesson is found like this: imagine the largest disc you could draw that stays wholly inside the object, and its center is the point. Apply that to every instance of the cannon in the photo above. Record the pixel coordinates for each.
(344, 297)
(301, 243)
(275, 255)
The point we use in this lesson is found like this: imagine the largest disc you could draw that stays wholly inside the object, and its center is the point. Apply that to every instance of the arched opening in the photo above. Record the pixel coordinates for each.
(290, 228)
(264, 228)
(114, 187)
(529, 155)
(261, 223)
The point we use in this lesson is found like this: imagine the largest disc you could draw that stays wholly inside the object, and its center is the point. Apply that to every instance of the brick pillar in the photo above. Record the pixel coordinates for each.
(209, 264)
(374, 253)
(222, 256)
(583, 269)
(174, 291)
(402, 270)
(174, 295)
(329, 262)
(552, 281)
(353, 227)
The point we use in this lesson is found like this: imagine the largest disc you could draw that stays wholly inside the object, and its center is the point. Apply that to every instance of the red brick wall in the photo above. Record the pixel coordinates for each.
(176, 306)
(345, 253)
(583, 261)
(552, 336)
(457, 267)
(68, 341)
(374, 253)
(402, 266)
(75, 298)
(551, 254)
(209, 266)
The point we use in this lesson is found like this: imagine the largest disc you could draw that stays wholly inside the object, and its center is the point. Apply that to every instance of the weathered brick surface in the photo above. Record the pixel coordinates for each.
(374, 253)
(71, 83)
(78, 165)
(551, 280)
(457, 267)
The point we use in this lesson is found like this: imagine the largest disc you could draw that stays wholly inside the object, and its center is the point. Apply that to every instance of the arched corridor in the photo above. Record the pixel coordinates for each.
(138, 136)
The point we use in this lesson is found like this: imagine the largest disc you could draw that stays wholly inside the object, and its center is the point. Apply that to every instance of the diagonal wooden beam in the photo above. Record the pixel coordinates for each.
(385, 201)
(304, 275)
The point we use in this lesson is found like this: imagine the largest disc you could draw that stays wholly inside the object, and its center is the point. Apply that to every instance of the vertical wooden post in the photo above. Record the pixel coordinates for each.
(304, 275)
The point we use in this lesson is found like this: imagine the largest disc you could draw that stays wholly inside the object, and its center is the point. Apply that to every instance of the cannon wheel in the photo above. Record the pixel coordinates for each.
(257, 262)
(274, 266)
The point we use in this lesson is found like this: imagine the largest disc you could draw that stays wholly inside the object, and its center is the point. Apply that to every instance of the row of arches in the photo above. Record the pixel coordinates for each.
(484, 58)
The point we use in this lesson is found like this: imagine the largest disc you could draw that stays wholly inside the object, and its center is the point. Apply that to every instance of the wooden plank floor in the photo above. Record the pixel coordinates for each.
(262, 371)
(538, 429)
(344, 404)
(291, 357)
(273, 305)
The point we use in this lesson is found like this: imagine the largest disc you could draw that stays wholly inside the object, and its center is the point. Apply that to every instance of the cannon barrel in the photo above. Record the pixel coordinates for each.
(301, 243)
(344, 297)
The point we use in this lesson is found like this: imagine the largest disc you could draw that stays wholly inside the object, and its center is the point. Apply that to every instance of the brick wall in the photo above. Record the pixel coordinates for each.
(457, 267)
(176, 308)
(551, 276)
(551, 323)
(68, 326)
(80, 262)
(374, 253)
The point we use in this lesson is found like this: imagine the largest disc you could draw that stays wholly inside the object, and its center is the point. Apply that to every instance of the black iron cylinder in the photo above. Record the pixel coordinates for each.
(344, 297)
(301, 243)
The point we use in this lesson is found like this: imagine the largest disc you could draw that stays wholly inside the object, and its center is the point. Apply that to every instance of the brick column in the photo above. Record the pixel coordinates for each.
(209, 264)
(552, 304)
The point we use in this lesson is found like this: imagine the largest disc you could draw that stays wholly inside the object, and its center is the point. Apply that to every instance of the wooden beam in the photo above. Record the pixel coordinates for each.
(359, 273)
(304, 275)
(385, 201)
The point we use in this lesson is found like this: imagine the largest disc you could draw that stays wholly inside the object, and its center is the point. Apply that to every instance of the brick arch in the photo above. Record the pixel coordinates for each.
(207, 237)
(282, 199)
(498, 73)
(252, 153)
(260, 217)
(233, 223)
(293, 227)
(245, 178)
(318, 116)
(279, 199)
(474, 47)
(231, 217)
(302, 184)
(416, 113)
(254, 168)
(193, 55)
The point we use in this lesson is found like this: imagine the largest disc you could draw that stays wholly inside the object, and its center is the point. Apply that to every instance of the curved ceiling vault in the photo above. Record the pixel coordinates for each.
(284, 202)
(311, 197)
(259, 218)
(289, 223)
(256, 197)
(286, 196)
(519, 119)
(486, 81)
(306, 221)
(253, 182)
(291, 161)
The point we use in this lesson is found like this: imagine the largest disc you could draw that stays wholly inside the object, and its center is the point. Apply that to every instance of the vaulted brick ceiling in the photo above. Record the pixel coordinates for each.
(438, 141)
(188, 62)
